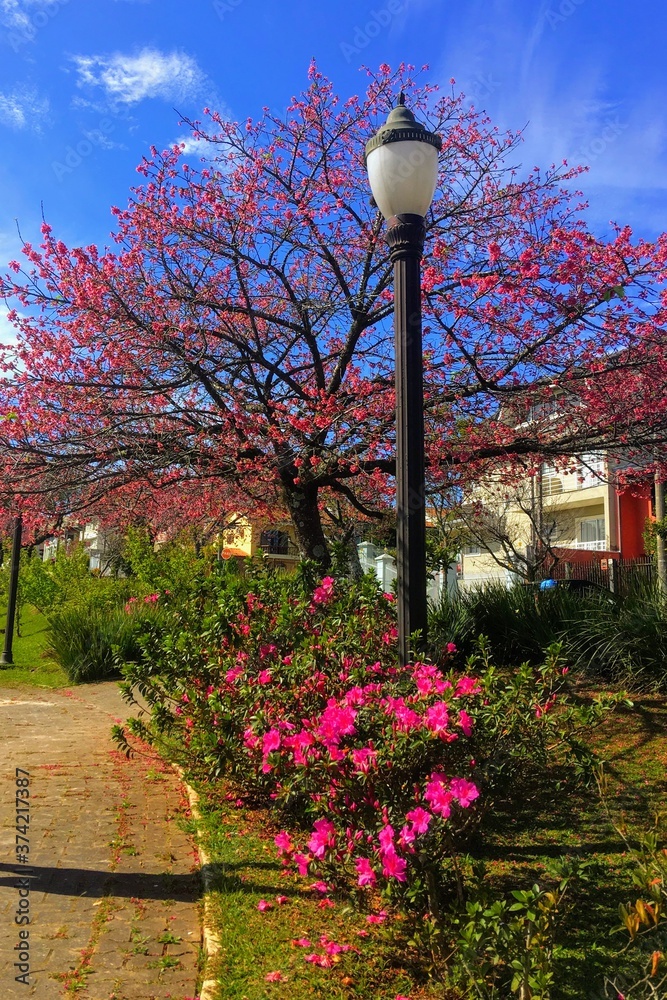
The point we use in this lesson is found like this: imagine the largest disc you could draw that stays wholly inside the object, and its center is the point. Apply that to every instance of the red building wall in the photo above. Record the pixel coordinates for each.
(634, 508)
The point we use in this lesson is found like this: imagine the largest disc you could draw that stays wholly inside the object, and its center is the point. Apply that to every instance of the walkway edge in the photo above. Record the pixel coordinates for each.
(210, 938)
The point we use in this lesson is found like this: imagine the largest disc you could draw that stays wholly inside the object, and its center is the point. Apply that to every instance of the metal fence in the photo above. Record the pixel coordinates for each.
(619, 575)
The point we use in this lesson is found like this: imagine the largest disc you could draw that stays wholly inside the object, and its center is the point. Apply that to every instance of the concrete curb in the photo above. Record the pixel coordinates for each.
(210, 939)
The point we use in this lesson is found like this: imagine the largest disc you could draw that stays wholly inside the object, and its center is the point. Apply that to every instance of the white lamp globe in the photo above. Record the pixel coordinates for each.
(402, 164)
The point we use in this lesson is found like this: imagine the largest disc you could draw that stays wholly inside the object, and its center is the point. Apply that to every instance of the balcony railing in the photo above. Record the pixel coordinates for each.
(598, 545)
(280, 547)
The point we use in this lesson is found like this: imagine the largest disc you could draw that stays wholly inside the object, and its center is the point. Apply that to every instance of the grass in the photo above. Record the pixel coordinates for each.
(517, 853)
(31, 664)
(254, 944)
(633, 745)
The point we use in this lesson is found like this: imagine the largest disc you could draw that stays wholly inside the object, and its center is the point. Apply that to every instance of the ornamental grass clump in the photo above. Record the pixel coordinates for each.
(377, 774)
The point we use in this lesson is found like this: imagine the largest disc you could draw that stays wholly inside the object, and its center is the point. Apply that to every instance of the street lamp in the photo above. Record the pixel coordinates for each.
(402, 164)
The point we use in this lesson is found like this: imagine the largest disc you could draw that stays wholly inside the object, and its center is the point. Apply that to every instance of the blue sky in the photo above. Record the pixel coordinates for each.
(86, 86)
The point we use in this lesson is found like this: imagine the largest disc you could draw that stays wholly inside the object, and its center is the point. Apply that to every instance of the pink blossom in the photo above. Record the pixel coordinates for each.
(302, 862)
(271, 740)
(324, 961)
(393, 866)
(451, 647)
(283, 842)
(364, 759)
(319, 886)
(264, 905)
(267, 650)
(275, 977)
(419, 818)
(389, 597)
(325, 903)
(264, 677)
(465, 792)
(465, 722)
(386, 837)
(377, 918)
(438, 796)
(322, 838)
(301, 942)
(467, 686)
(437, 717)
(365, 872)
(281, 900)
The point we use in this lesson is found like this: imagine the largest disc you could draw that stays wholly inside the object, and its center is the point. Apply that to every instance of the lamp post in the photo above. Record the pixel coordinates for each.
(402, 164)
(7, 657)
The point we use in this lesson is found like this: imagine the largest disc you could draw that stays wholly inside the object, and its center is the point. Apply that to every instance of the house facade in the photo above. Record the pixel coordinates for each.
(577, 514)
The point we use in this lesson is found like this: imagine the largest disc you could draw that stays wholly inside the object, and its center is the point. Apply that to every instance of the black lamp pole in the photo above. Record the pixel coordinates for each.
(402, 163)
(6, 657)
(405, 236)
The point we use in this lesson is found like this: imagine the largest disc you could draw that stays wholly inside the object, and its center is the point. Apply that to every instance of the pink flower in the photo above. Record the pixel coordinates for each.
(362, 934)
(324, 961)
(283, 842)
(271, 741)
(281, 900)
(363, 759)
(302, 862)
(319, 887)
(300, 942)
(287, 660)
(438, 796)
(467, 686)
(275, 977)
(393, 866)
(465, 722)
(465, 792)
(322, 838)
(377, 918)
(326, 904)
(365, 872)
(419, 818)
(386, 837)
(264, 905)
(437, 717)
(451, 647)
(389, 597)
(264, 677)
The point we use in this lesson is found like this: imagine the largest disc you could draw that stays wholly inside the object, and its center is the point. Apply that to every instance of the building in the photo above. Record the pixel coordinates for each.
(561, 517)
(248, 538)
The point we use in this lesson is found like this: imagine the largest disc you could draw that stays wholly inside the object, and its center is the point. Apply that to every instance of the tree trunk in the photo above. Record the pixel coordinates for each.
(301, 502)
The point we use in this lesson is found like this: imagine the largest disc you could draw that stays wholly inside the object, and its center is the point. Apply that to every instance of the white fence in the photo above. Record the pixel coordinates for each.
(384, 567)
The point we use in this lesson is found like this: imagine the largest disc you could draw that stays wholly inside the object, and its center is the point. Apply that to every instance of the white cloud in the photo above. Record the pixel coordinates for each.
(515, 67)
(7, 329)
(150, 73)
(21, 15)
(23, 108)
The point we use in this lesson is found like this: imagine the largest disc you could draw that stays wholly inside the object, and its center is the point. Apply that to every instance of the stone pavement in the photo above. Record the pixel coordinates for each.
(111, 888)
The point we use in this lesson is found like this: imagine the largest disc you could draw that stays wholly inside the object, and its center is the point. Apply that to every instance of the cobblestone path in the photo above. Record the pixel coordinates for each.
(111, 887)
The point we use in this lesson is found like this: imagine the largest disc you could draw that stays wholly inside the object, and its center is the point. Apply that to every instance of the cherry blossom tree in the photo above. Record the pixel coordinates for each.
(232, 349)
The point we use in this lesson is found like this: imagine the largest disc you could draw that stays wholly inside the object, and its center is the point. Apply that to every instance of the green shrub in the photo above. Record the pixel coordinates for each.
(625, 643)
(91, 640)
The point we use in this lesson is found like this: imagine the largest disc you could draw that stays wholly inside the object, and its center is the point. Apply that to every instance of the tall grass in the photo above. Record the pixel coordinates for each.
(91, 642)
(621, 642)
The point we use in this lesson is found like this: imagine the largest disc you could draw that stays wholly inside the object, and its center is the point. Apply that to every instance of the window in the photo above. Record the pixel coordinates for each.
(472, 550)
(591, 534)
(591, 470)
(274, 542)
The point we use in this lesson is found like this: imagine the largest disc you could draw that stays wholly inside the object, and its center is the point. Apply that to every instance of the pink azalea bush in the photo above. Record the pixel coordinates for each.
(291, 689)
